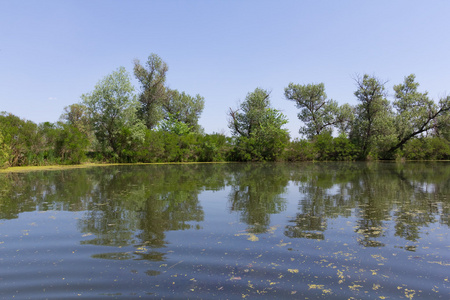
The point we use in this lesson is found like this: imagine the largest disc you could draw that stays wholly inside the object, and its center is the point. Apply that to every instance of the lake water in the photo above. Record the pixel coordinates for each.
(227, 231)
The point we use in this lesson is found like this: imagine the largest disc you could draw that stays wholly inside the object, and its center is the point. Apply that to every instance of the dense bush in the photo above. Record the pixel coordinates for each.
(300, 150)
(5, 152)
(323, 147)
(23, 138)
(71, 144)
(428, 148)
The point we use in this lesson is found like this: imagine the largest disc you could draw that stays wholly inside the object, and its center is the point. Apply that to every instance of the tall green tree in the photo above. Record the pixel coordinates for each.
(23, 138)
(442, 126)
(152, 78)
(344, 118)
(248, 117)
(77, 116)
(258, 128)
(183, 108)
(5, 152)
(173, 125)
(112, 107)
(317, 112)
(415, 112)
(70, 143)
(372, 129)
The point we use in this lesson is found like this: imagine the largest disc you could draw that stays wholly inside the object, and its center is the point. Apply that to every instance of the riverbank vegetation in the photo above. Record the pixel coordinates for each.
(115, 123)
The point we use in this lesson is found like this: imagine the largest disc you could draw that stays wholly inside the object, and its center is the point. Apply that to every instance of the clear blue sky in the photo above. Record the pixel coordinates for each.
(51, 52)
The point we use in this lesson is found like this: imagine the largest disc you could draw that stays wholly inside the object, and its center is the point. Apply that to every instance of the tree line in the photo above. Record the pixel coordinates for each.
(114, 123)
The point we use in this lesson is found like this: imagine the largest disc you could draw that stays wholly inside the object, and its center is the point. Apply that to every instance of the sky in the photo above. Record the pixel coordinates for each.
(52, 52)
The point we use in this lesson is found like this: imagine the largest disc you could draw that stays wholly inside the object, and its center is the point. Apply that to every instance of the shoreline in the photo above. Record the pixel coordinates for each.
(24, 169)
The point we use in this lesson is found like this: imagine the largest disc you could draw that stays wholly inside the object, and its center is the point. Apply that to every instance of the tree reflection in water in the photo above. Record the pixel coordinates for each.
(136, 205)
(407, 194)
(257, 192)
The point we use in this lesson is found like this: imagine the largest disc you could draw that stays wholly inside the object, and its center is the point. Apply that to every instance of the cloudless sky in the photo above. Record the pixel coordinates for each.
(51, 52)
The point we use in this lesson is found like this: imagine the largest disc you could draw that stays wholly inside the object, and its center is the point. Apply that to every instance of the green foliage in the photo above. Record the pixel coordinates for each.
(159, 104)
(430, 148)
(300, 150)
(442, 128)
(416, 113)
(213, 147)
(49, 133)
(372, 130)
(323, 147)
(334, 148)
(174, 125)
(163, 146)
(77, 116)
(5, 152)
(112, 124)
(318, 113)
(112, 109)
(71, 144)
(258, 129)
(152, 78)
(151, 149)
(23, 138)
(184, 108)
(343, 149)
(344, 118)
(323, 143)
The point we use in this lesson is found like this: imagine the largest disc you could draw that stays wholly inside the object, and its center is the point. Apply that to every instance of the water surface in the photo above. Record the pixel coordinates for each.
(227, 231)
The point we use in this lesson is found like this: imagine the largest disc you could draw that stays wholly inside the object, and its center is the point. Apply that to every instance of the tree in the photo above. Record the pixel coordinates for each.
(344, 118)
(258, 128)
(112, 108)
(372, 129)
(252, 113)
(71, 143)
(415, 112)
(184, 108)
(23, 139)
(153, 90)
(173, 125)
(5, 152)
(442, 126)
(77, 116)
(317, 112)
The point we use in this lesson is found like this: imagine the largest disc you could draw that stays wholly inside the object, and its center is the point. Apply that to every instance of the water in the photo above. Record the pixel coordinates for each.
(227, 231)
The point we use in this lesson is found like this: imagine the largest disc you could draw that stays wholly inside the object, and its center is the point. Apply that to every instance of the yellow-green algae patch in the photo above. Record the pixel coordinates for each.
(24, 169)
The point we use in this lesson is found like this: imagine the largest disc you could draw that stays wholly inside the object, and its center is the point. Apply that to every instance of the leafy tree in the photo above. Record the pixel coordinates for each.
(426, 148)
(71, 144)
(184, 108)
(152, 78)
(77, 116)
(112, 108)
(317, 112)
(5, 152)
(300, 150)
(248, 118)
(174, 125)
(344, 118)
(22, 137)
(213, 147)
(372, 129)
(442, 126)
(49, 133)
(258, 128)
(416, 113)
